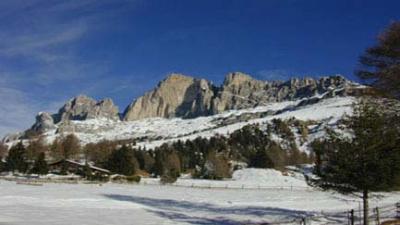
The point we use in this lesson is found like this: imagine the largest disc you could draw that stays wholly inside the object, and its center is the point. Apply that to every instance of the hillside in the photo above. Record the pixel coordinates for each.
(321, 102)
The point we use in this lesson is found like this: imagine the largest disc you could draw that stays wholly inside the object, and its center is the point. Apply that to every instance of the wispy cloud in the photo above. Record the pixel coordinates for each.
(40, 65)
(16, 110)
(41, 45)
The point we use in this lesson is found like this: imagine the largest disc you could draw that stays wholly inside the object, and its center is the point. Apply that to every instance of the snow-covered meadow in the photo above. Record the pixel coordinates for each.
(56, 204)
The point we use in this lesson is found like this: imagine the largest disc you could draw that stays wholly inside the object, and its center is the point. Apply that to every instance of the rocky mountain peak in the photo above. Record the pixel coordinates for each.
(179, 95)
(182, 96)
(80, 107)
(176, 96)
(83, 107)
(237, 78)
(176, 78)
(44, 122)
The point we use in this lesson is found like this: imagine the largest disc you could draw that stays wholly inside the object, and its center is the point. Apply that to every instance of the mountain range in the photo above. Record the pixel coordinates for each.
(181, 106)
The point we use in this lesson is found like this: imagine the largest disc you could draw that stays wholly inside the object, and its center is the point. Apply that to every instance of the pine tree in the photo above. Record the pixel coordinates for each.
(370, 161)
(40, 166)
(145, 160)
(16, 159)
(382, 62)
(261, 159)
(3, 153)
(123, 161)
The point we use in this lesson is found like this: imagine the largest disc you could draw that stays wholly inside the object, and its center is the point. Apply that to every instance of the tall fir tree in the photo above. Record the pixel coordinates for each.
(40, 166)
(16, 159)
(381, 63)
(369, 161)
(123, 161)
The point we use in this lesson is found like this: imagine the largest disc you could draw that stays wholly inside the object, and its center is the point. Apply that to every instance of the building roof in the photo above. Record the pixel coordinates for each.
(80, 165)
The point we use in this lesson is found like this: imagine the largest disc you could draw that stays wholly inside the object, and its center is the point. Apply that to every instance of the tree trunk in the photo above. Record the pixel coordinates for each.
(365, 201)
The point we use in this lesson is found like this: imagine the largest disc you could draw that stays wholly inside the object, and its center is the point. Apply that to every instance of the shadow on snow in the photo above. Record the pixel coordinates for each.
(180, 210)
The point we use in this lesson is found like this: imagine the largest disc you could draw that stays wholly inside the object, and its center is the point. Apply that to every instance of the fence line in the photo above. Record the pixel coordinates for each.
(353, 216)
(346, 217)
(230, 186)
(27, 180)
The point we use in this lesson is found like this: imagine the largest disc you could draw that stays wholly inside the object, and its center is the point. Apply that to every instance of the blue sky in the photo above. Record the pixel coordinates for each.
(52, 50)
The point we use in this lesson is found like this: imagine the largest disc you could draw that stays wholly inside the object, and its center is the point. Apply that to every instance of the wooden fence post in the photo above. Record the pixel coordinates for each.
(398, 210)
(351, 217)
(359, 213)
(304, 221)
(377, 216)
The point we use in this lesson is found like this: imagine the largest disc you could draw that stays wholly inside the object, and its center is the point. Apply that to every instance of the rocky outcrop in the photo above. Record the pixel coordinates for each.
(78, 108)
(83, 107)
(241, 91)
(44, 122)
(183, 96)
(176, 96)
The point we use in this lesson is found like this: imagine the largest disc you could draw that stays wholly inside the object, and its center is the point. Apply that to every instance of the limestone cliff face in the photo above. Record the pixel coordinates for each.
(239, 91)
(176, 96)
(78, 108)
(183, 96)
(83, 107)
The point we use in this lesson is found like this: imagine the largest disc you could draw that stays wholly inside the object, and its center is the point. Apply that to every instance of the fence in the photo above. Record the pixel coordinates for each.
(228, 185)
(377, 216)
(156, 182)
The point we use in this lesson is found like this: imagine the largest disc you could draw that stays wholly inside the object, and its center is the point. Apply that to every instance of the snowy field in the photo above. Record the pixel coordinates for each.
(56, 204)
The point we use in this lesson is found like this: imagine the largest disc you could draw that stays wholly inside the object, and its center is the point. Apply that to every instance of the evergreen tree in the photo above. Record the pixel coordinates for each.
(40, 166)
(261, 159)
(3, 166)
(382, 62)
(16, 159)
(3, 153)
(123, 161)
(145, 160)
(370, 161)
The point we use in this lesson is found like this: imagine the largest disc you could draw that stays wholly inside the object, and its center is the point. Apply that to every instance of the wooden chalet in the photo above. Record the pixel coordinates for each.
(74, 167)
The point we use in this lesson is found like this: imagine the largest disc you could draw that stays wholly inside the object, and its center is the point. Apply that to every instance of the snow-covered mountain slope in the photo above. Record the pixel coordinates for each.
(153, 132)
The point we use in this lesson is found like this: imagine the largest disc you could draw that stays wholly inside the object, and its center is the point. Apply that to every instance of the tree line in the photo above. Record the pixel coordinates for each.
(209, 158)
